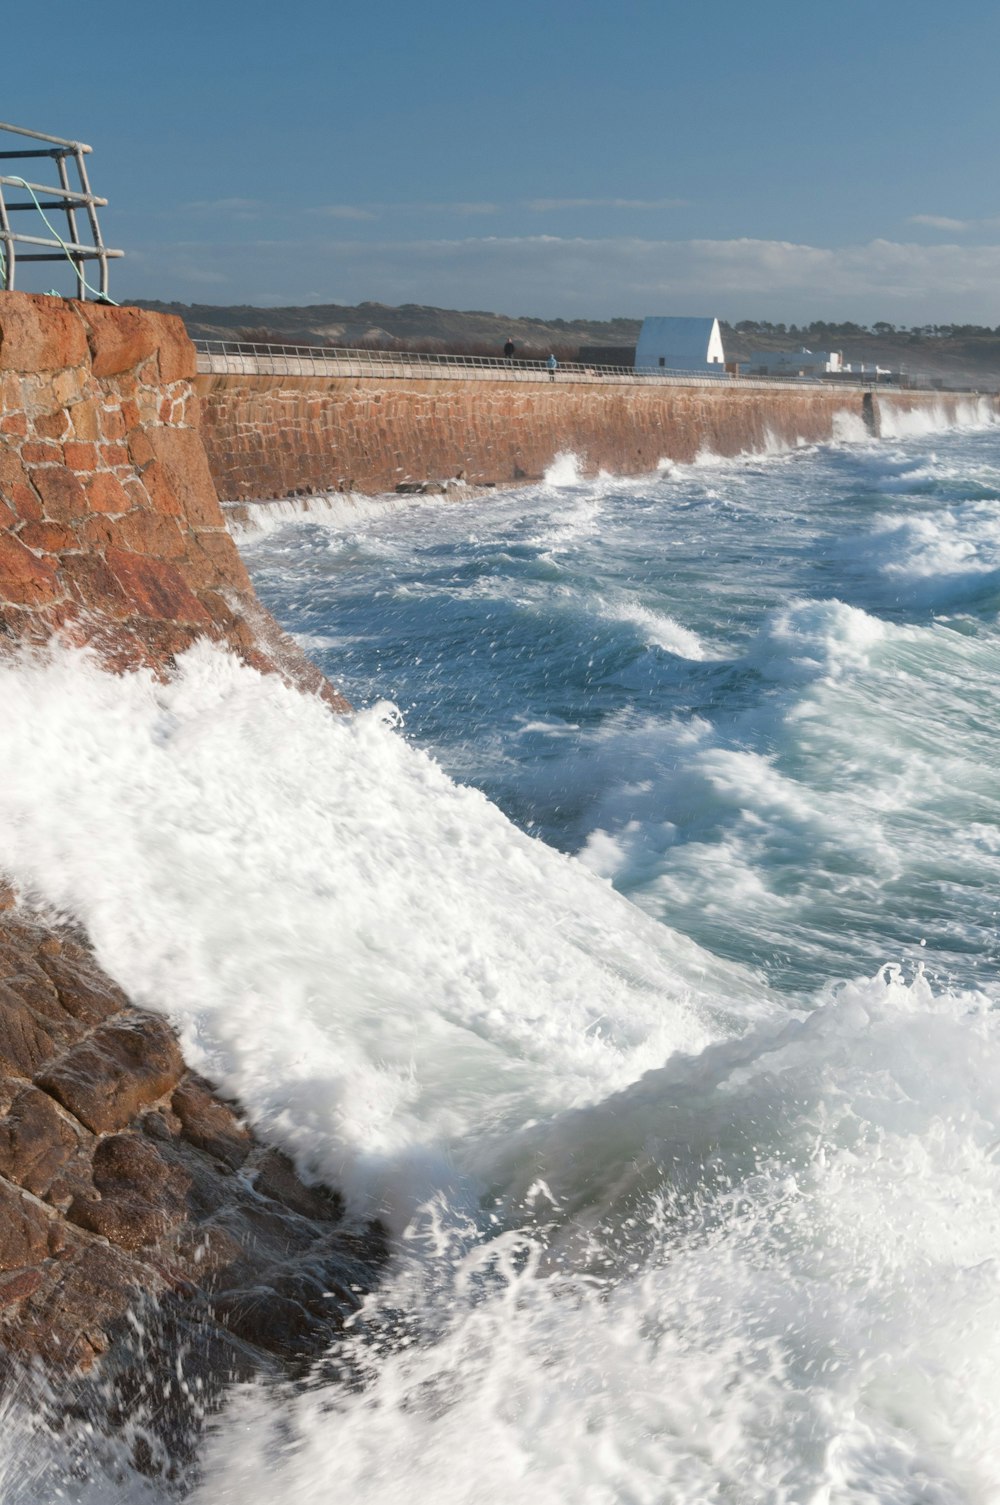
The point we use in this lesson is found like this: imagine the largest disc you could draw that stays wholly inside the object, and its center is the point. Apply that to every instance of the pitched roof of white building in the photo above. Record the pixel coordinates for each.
(683, 344)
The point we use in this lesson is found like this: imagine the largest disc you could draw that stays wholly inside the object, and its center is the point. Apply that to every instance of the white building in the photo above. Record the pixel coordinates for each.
(794, 362)
(669, 344)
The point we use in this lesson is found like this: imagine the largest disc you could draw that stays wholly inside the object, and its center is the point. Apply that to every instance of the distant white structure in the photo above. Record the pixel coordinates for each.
(674, 344)
(794, 362)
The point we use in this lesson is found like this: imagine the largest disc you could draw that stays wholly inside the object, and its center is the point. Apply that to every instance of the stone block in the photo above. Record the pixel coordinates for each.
(176, 356)
(120, 339)
(80, 455)
(113, 424)
(46, 538)
(85, 420)
(42, 452)
(94, 587)
(105, 493)
(156, 588)
(182, 476)
(52, 425)
(140, 448)
(38, 333)
(114, 453)
(63, 497)
(216, 563)
(25, 579)
(149, 533)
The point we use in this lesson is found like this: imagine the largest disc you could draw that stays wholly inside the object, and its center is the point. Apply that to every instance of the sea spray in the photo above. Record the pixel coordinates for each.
(702, 1218)
(275, 879)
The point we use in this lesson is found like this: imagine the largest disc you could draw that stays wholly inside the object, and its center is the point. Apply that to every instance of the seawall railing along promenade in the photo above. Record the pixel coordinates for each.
(245, 358)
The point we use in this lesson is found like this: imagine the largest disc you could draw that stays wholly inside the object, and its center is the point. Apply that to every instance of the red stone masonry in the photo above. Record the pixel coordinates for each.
(267, 436)
(111, 532)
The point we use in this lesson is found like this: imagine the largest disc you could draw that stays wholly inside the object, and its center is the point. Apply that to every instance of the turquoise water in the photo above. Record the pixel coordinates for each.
(759, 696)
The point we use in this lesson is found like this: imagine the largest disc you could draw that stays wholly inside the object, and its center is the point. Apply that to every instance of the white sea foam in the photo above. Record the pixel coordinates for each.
(807, 1311)
(658, 628)
(340, 511)
(898, 422)
(953, 541)
(274, 878)
(565, 470)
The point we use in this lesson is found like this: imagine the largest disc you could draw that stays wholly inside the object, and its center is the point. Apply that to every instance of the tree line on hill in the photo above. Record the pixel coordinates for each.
(820, 331)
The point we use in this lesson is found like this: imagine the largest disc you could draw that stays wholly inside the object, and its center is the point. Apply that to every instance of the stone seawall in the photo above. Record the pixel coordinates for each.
(269, 436)
(111, 533)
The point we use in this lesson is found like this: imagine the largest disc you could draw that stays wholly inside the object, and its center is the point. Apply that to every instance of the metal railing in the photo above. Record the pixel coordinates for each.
(245, 358)
(42, 198)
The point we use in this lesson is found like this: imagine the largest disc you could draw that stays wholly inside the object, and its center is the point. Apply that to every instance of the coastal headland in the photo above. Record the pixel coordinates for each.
(124, 1178)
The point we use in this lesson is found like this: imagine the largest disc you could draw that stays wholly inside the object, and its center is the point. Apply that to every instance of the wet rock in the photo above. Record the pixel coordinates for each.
(136, 1210)
(209, 1123)
(125, 1063)
(268, 1320)
(277, 1178)
(140, 1196)
(36, 1141)
(24, 1043)
(24, 1230)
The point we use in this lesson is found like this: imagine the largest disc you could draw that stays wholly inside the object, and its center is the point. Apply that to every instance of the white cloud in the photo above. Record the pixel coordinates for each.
(941, 222)
(344, 211)
(460, 208)
(541, 206)
(379, 211)
(554, 276)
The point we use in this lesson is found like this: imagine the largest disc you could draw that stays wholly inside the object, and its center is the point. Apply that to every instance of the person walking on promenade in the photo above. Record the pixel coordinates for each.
(553, 365)
(508, 349)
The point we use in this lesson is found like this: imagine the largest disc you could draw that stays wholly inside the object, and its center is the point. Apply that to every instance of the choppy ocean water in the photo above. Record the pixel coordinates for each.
(633, 950)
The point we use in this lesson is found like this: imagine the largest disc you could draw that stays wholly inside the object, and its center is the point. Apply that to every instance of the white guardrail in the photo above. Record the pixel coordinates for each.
(240, 358)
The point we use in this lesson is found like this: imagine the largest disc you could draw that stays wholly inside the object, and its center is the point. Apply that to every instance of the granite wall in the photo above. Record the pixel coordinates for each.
(268, 436)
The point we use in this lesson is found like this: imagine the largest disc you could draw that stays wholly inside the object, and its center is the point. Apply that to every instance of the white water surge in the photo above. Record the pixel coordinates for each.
(369, 957)
(670, 1227)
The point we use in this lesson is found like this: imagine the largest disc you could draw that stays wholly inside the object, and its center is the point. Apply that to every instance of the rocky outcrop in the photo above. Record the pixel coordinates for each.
(127, 1184)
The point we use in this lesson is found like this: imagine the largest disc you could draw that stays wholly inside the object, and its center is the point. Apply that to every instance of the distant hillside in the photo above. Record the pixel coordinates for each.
(411, 326)
(958, 355)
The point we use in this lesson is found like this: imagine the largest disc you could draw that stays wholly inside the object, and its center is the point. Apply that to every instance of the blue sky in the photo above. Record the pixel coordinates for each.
(769, 159)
